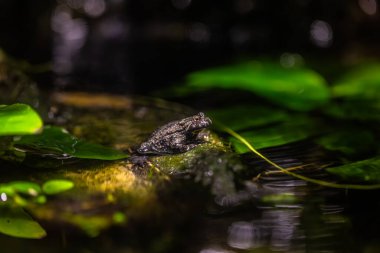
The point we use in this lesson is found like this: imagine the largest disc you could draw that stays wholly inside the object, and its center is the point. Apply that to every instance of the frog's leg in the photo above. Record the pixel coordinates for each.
(182, 148)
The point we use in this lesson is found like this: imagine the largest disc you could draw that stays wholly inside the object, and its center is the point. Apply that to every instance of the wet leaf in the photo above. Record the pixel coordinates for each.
(362, 171)
(56, 186)
(18, 119)
(24, 187)
(241, 117)
(349, 141)
(58, 142)
(17, 223)
(362, 110)
(296, 88)
(297, 129)
(363, 82)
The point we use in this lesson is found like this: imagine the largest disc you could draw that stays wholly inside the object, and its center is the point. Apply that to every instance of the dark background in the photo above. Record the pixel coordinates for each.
(141, 46)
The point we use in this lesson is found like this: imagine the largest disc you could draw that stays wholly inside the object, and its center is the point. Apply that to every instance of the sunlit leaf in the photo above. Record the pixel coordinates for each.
(296, 129)
(58, 142)
(296, 88)
(56, 186)
(24, 187)
(19, 119)
(17, 223)
(363, 171)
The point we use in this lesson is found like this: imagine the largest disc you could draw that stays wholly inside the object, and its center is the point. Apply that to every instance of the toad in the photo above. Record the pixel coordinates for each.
(175, 137)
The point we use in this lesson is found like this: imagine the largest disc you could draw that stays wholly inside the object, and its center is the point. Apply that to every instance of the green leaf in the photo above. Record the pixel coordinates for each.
(18, 119)
(362, 171)
(58, 142)
(297, 129)
(362, 82)
(350, 142)
(296, 88)
(17, 223)
(25, 187)
(56, 186)
(241, 117)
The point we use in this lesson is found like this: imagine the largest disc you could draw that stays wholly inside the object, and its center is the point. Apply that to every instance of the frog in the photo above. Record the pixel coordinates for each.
(176, 137)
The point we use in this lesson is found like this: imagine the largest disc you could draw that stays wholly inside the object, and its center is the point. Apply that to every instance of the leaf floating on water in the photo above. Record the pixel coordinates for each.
(56, 186)
(58, 142)
(350, 142)
(362, 171)
(241, 117)
(295, 130)
(296, 88)
(17, 223)
(18, 119)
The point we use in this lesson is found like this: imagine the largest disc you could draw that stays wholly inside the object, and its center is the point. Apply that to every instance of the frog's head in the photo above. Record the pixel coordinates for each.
(196, 122)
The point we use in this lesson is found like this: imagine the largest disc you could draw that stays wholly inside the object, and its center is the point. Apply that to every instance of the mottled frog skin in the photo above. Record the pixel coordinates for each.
(175, 137)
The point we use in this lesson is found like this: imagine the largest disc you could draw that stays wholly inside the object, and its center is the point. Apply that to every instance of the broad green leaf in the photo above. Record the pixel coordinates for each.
(363, 82)
(297, 88)
(17, 223)
(58, 142)
(241, 117)
(56, 186)
(362, 110)
(361, 171)
(349, 141)
(296, 129)
(18, 119)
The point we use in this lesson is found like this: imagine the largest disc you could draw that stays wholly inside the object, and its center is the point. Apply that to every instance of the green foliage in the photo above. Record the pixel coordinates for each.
(56, 186)
(22, 193)
(350, 142)
(359, 93)
(24, 187)
(296, 88)
(363, 82)
(243, 117)
(18, 119)
(58, 142)
(14, 221)
(296, 129)
(364, 171)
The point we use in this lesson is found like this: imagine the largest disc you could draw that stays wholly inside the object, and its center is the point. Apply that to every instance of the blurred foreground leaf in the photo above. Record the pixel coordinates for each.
(58, 142)
(296, 88)
(362, 171)
(14, 221)
(18, 119)
(57, 186)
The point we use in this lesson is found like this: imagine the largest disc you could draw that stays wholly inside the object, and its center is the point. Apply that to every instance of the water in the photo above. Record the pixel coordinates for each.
(189, 206)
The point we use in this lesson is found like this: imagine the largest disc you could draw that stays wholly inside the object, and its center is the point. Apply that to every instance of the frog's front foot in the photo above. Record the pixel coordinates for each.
(139, 160)
(185, 148)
